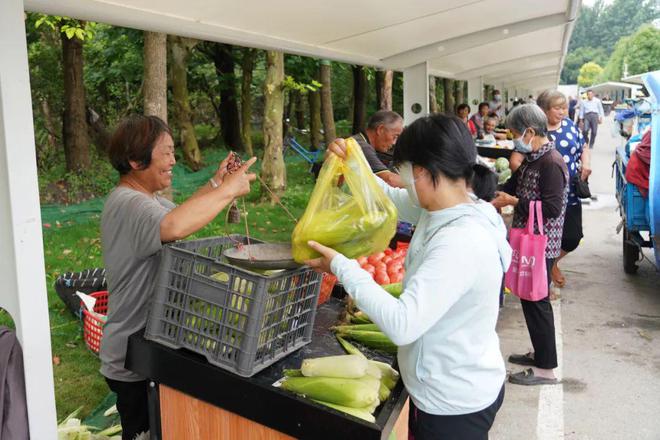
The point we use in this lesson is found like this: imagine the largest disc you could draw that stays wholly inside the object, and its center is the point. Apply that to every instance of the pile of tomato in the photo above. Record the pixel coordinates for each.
(385, 267)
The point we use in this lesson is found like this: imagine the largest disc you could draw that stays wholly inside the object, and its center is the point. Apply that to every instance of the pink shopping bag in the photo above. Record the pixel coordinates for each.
(527, 276)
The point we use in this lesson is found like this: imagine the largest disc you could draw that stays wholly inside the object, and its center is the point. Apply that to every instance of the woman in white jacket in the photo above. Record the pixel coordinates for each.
(444, 322)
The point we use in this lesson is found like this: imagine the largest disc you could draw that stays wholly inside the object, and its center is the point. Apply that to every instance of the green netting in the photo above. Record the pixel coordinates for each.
(185, 182)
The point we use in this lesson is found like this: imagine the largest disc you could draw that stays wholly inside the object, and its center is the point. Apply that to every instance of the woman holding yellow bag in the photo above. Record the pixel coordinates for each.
(444, 321)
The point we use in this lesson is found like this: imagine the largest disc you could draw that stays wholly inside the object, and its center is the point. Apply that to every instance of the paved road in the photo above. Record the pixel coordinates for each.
(608, 324)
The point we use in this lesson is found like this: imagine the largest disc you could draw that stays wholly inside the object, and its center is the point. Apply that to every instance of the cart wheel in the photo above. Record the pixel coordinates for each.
(630, 253)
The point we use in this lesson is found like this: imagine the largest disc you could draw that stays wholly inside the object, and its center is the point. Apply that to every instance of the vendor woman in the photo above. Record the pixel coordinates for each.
(134, 225)
(444, 322)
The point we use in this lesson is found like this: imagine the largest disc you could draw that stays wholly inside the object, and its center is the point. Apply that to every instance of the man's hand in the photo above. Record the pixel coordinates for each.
(337, 147)
(321, 264)
(220, 174)
(600, 120)
(503, 199)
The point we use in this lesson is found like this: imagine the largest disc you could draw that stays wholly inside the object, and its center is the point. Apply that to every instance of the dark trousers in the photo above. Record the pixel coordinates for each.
(541, 327)
(473, 426)
(590, 128)
(132, 405)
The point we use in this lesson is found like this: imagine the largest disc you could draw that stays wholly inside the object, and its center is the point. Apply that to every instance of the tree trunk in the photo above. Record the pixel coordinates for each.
(180, 48)
(155, 75)
(450, 105)
(299, 110)
(327, 114)
(230, 123)
(359, 98)
(273, 170)
(384, 89)
(460, 97)
(314, 99)
(433, 100)
(155, 81)
(74, 127)
(247, 67)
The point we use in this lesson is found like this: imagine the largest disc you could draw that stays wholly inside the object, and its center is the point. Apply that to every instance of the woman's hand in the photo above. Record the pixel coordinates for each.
(585, 160)
(503, 199)
(321, 264)
(237, 184)
(337, 147)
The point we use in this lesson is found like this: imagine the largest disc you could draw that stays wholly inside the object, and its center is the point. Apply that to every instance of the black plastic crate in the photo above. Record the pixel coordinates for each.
(239, 320)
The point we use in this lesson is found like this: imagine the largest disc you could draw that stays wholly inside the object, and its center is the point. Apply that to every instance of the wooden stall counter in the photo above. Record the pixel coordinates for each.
(199, 401)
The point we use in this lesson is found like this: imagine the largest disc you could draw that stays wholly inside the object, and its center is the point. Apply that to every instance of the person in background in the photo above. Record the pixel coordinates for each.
(383, 129)
(591, 114)
(135, 224)
(639, 165)
(444, 321)
(572, 104)
(463, 112)
(543, 176)
(496, 106)
(476, 123)
(489, 129)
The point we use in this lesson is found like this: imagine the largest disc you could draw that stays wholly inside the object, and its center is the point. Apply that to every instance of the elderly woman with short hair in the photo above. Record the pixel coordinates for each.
(542, 176)
(570, 144)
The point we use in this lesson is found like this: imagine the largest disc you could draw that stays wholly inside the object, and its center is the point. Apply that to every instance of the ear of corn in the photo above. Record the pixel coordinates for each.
(359, 223)
(369, 327)
(292, 372)
(360, 413)
(389, 376)
(350, 348)
(383, 392)
(355, 393)
(372, 339)
(349, 366)
(395, 289)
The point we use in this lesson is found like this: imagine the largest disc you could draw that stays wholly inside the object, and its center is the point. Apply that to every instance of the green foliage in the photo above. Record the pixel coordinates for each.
(578, 57)
(638, 53)
(600, 27)
(589, 74)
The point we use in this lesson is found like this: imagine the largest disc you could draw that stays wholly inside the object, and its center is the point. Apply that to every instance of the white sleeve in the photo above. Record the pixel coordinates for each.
(440, 281)
(407, 211)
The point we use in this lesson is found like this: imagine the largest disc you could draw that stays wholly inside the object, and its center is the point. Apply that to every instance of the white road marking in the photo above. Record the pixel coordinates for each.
(550, 421)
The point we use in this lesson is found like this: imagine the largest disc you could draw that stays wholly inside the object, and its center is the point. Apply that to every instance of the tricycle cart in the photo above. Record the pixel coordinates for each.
(640, 216)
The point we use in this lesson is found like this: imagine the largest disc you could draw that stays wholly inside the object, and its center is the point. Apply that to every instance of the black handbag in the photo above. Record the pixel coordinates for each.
(581, 187)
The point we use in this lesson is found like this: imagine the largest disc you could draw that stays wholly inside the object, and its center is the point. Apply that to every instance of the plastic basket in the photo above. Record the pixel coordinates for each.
(93, 322)
(86, 281)
(239, 320)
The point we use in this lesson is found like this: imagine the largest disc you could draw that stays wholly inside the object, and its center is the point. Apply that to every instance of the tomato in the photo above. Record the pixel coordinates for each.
(396, 277)
(362, 260)
(387, 259)
(395, 266)
(369, 268)
(382, 278)
(381, 266)
(388, 251)
(375, 258)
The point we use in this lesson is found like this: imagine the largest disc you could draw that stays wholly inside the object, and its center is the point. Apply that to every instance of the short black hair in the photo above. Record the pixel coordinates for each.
(460, 107)
(442, 144)
(482, 105)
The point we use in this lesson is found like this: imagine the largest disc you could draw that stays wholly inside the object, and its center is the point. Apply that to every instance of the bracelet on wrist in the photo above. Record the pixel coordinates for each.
(213, 183)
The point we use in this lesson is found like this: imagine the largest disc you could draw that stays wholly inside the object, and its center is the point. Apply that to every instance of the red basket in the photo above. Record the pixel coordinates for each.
(327, 284)
(92, 324)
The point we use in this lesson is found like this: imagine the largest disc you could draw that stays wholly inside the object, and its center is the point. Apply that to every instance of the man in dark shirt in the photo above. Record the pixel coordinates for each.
(383, 129)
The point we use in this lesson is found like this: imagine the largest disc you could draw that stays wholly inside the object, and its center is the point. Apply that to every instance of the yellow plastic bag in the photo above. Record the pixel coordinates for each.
(355, 219)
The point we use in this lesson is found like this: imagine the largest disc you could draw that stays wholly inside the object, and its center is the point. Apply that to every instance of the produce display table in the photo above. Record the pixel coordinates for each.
(200, 401)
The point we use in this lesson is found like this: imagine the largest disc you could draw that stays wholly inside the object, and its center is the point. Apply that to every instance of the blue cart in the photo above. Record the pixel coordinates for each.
(640, 216)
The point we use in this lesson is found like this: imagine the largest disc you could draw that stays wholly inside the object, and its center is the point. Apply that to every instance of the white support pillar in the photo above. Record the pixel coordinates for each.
(21, 245)
(415, 92)
(475, 92)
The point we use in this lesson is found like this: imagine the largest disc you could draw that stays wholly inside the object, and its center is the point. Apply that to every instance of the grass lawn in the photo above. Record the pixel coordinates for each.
(72, 243)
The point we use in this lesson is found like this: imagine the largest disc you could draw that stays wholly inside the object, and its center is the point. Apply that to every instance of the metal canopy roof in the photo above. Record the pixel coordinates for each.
(460, 39)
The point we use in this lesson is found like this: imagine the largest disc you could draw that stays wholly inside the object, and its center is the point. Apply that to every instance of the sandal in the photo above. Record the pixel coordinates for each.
(527, 377)
(526, 359)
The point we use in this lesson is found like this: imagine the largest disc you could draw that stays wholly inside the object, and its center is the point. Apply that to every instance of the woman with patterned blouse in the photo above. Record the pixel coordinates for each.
(569, 142)
(542, 176)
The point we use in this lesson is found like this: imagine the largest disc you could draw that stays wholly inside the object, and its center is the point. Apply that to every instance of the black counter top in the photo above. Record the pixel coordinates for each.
(255, 398)
(494, 153)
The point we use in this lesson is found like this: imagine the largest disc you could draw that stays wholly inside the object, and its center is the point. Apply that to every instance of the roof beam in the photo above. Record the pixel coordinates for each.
(461, 43)
(506, 66)
(148, 20)
(531, 82)
(521, 75)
